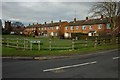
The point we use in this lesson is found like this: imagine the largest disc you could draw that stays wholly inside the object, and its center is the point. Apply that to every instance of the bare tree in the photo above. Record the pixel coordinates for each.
(110, 10)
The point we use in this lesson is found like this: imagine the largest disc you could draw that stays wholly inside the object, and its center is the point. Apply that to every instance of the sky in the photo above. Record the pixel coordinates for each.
(33, 11)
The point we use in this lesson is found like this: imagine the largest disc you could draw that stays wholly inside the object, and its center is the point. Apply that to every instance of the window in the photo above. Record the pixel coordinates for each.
(108, 26)
(45, 28)
(72, 27)
(90, 27)
(77, 27)
(48, 28)
(52, 28)
(39, 28)
(83, 27)
(66, 28)
(57, 27)
(100, 26)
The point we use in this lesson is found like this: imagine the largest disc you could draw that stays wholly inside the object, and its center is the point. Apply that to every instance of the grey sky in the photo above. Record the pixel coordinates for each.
(40, 12)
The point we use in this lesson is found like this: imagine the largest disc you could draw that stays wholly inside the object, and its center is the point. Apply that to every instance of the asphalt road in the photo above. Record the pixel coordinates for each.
(101, 65)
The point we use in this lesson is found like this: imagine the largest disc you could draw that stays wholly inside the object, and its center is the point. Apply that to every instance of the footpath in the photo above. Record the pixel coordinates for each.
(57, 57)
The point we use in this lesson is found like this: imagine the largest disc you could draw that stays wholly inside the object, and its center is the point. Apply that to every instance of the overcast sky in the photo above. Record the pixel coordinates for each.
(37, 11)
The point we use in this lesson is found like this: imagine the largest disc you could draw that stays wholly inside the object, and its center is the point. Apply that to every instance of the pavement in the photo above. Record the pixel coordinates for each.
(54, 57)
(96, 65)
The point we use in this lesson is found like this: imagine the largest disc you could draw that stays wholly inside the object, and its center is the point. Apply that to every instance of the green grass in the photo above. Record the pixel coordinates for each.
(79, 48)
(6, 51)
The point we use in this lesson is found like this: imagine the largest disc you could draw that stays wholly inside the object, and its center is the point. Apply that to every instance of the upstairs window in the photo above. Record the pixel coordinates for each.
(100, 26)
(90, 27)
(108, 26)
(72, 27)
(77, 27)
(52, 28)
(45, 28)
(83, 27)
(48, 28)
(66, 28)
(57, 27)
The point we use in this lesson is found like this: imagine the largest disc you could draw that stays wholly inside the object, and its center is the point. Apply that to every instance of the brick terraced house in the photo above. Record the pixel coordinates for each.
(64, 29)
(47, 29)
(91, 27)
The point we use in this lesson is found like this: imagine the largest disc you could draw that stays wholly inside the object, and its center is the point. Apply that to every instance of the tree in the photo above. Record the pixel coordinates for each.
(16, 24)
(110, 10)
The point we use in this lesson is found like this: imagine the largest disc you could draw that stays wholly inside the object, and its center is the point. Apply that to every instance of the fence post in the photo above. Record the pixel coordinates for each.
(30, 45)
(38, 45)
(116, 40)
(73, 44)
(95, 44)
(17, 43)
(50, 44)
(86, 42)
(103, 41)
(24, 44)
(7, 42)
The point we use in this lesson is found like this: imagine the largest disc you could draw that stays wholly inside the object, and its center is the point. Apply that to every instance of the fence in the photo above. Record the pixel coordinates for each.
(51, 44)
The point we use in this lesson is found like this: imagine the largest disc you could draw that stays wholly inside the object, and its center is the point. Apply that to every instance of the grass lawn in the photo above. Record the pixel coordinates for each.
(79, 48)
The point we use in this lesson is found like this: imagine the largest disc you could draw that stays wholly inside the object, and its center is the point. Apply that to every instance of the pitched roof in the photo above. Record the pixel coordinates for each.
(89, 22)
(53, 24)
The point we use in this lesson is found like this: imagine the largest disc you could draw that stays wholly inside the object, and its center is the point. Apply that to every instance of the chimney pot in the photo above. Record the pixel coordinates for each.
(101, 17)
(86, 18)
(59, 20)
(45, 22)
(74, 19)
(51, 21)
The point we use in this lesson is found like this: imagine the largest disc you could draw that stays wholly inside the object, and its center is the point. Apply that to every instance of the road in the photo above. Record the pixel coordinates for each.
(101, 65)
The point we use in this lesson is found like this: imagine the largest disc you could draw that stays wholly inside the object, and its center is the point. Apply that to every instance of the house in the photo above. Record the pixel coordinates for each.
(91, 27)
(47, 29)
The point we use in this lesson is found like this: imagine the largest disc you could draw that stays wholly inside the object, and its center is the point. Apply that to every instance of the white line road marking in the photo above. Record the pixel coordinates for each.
(69, 66)
(116, 57)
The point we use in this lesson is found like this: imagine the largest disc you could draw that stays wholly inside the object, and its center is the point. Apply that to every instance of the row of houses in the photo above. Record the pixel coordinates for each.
(91, 27)
(65, 29)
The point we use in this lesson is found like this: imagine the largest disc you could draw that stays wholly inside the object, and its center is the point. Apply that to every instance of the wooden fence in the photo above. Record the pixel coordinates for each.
(75, 44)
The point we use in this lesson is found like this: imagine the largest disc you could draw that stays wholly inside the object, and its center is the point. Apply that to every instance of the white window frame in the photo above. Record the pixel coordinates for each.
(90, 27)
(72, 28)
(66, 28)
(77, 27)
(57, 27)
(107, 26)
(83, 27)
(100, 26)
(52, 28)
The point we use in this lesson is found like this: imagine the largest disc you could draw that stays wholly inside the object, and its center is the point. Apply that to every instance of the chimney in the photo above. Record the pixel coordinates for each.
(74, 19)
(29, 24)
(37, 22)
(51, 21)
(33, 23)
(101, 17)
(60, 21)
(45, 23)
(86, 18)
